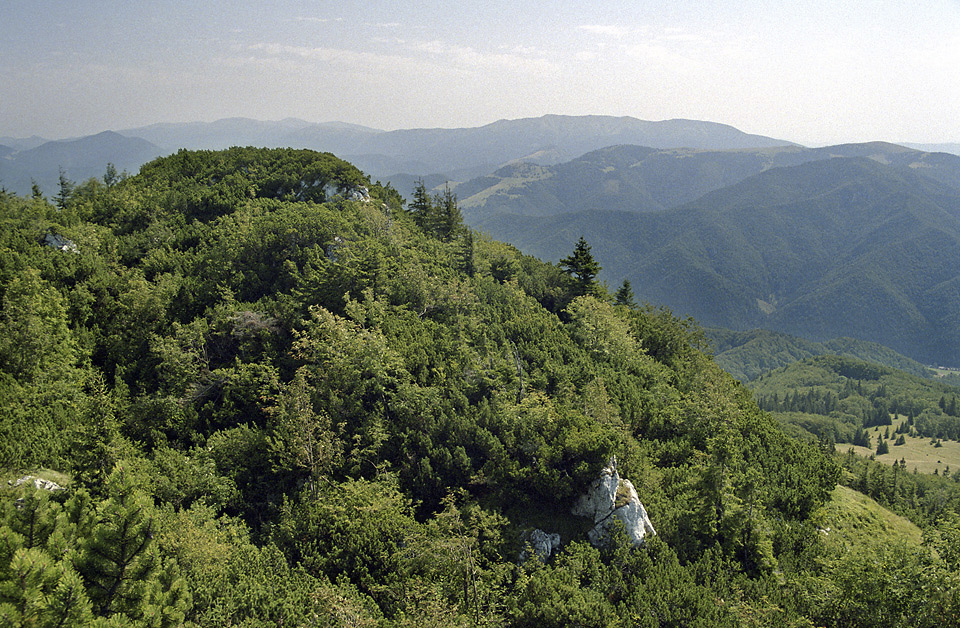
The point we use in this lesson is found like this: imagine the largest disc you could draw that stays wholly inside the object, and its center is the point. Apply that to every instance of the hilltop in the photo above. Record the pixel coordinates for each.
(297, 395)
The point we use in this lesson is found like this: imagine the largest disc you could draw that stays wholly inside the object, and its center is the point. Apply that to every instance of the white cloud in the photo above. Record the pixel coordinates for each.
(317, 20)
(414, 57)
(607, 30)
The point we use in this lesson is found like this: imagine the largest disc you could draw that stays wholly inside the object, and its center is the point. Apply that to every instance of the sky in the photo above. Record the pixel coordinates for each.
(814, 71)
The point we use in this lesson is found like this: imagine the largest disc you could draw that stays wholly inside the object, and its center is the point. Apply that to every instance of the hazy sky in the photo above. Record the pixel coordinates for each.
(810, 71)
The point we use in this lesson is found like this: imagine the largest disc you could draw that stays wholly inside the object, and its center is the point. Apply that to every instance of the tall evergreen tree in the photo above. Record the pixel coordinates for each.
(422, 206)
(449, 220)
(583, 268)
(624, 295)
(65, 191)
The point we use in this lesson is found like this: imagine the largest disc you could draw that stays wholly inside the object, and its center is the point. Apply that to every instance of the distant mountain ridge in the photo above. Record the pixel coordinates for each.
(80, 159)
(846, 246)
(550, 138)
(748, 354)
(641, 179)
(454, 154)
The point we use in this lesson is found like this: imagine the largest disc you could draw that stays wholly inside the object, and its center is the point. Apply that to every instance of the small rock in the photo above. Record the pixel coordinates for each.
(541, 543)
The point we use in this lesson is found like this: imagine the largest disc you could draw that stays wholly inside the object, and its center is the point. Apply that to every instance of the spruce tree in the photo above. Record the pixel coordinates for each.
(449, 220)
(581, 266)
(422, 206)
(624, 295)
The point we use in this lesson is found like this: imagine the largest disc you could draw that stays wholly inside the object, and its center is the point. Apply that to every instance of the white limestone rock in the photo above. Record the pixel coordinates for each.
(38, 483)
(598, 502)
(611, 498)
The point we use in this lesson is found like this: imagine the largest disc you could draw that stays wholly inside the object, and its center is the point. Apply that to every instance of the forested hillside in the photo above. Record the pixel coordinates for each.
(277, 395)
(837, 247)
(640, 179)
(748, 354)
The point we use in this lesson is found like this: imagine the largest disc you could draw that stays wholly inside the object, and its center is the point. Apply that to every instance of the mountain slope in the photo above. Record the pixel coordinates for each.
(748, 354)
(81, 159)
(641, 179)
(838, 247)
(309, 403)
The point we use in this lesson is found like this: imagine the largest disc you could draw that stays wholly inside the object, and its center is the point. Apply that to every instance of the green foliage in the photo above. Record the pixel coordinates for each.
(330, 411)
(66, 565)
(583, 268)
(624, 295)
(749, 354)
(838, 395)
(438, 215)
(832, 247)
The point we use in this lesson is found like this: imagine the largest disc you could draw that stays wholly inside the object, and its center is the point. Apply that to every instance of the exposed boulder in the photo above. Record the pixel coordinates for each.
(60, 243)
(540, 544)
(611, 498)
(358, 193)
(38, 483)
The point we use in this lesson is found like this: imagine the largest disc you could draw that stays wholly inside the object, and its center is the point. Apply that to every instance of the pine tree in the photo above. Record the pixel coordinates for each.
(120, 563)
(38, 591)
(583, 268)
(624, 295)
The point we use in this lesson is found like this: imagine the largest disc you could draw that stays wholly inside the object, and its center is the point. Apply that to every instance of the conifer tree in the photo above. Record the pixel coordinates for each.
(583, 268)
(422, 206)
(65, 191)
(449, 220)
(37, 591)
(120, 564)
(624, 295)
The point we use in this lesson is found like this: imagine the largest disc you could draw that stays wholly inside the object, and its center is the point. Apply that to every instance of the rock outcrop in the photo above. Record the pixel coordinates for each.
(38, 483)
(611, 498)
(540, 544)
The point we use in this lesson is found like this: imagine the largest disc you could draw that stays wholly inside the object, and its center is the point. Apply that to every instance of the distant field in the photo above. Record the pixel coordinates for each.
(918, 453)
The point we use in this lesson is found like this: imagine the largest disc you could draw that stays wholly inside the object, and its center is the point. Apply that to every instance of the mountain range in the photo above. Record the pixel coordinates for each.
(80, 159)
(452, 154)
(643, 179)
(738, 230)
(845, 246)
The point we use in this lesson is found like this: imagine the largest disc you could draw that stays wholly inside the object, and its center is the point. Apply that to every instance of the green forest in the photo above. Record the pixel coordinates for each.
(272, 392)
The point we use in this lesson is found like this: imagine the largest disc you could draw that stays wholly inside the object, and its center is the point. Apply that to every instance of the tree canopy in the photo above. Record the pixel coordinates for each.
(275, 398)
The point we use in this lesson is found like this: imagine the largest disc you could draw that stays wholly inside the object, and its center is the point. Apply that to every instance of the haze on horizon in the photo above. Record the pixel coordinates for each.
(817, 72)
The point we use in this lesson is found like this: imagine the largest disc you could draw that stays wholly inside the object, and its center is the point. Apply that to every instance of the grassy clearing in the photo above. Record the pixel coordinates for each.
(9, 476)
(919, 453)
(851, 519)
(505, 185)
